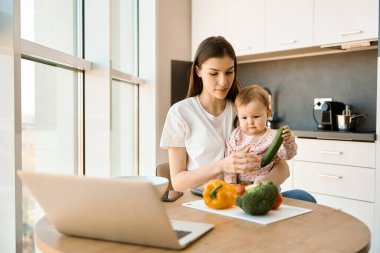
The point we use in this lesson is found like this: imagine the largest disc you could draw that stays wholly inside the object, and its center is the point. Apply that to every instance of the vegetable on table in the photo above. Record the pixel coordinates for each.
(277, 202)
(258, 200)
(240, 188)
(219, 194)
(273, 148)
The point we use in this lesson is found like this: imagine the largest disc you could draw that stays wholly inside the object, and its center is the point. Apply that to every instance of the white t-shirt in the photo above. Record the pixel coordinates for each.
(203, 135)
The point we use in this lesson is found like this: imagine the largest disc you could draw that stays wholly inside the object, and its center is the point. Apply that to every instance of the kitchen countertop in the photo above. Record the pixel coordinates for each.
(336, 135)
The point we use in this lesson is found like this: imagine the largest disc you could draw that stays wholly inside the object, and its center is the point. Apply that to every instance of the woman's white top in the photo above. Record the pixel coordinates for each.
(203, 135)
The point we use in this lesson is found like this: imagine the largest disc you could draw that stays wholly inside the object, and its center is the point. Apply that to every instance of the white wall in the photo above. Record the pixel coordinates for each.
(165, 35)
(173, 43)
(147, 97)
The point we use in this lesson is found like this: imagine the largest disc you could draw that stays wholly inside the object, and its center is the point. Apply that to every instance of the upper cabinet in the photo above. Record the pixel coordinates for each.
(345, 20)
(264, 26)
(289, 24)
(207, 20)
(244, 25)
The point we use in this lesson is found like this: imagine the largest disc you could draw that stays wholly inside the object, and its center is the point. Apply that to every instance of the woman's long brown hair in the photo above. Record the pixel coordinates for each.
(212, 47)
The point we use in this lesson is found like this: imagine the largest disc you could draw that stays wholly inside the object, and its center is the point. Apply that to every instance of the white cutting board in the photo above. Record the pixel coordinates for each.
(283, 212)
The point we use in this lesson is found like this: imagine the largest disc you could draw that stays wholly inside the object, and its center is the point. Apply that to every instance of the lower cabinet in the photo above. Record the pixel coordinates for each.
(364, 211)
(335, 180)
(288, 184)
(336, 174)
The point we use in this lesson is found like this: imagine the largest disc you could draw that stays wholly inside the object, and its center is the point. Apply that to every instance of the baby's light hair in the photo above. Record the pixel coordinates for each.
(252, 93)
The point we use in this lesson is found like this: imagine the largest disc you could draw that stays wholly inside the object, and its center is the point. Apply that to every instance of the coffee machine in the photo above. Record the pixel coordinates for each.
(329, 110)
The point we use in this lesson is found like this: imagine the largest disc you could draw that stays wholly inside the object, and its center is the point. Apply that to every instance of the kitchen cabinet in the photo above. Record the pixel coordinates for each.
(339, 174)
(336, 180)
(259, 27)
(207, 19)
(361, 154)
(289, 24)
(345, 20)
(288, 184)
(244, 25)
(365, 211)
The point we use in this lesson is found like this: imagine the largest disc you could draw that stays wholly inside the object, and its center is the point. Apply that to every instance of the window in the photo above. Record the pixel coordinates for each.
(51, 96)
(58, 97)
(124, 155)
(124, 128)
(54, 24)
(124, 36)
(49, 100)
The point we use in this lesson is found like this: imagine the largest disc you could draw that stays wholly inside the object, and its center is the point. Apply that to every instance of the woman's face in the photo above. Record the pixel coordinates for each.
(253, 117)
(217, 76)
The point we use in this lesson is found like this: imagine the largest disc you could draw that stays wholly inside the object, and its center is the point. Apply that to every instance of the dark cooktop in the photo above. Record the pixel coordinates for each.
(336, 135)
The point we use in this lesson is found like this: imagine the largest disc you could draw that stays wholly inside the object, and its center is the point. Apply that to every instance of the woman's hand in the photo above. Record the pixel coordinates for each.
(240, 162)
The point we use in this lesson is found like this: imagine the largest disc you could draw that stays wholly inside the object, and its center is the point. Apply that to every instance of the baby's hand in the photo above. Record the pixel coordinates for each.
(286, 133)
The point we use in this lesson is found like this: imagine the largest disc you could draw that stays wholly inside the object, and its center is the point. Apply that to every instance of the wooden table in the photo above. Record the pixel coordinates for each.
(322, 230)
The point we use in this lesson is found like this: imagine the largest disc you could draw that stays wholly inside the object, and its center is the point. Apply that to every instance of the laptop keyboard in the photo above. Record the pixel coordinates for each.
(181, 233)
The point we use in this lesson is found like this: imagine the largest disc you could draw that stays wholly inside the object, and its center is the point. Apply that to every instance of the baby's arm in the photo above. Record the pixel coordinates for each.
(289, 146)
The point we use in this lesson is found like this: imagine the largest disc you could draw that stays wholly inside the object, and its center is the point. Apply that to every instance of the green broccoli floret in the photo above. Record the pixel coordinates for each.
(258, 200)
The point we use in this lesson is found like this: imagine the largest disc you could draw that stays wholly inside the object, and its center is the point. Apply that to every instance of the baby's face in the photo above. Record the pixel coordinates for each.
(253, 117)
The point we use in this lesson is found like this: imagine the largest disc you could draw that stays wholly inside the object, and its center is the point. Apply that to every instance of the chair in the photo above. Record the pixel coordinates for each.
(163, 170)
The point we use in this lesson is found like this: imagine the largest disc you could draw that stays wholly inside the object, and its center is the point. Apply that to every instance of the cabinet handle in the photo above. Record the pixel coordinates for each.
(330, 176)
(287, 42)
(350, 33)
(244, 48)
(330, 152)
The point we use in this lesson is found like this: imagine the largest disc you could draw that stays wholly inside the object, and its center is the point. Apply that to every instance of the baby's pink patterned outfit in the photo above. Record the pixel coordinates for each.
(239, 141)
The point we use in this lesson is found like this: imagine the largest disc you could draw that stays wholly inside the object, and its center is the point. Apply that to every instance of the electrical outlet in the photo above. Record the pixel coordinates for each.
(318, 102)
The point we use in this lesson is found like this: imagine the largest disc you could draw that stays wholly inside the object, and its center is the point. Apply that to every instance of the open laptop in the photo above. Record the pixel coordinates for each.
(121, 210)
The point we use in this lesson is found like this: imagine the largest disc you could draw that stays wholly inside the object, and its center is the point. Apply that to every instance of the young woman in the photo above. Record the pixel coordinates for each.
(196, 128)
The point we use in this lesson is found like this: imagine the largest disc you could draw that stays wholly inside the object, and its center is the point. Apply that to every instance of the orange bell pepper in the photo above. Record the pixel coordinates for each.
(219, 194)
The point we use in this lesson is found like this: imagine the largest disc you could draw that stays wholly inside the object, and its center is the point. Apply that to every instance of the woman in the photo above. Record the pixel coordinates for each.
(196, 128)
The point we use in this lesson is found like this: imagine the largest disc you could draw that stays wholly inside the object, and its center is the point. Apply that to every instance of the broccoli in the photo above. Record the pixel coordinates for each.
(258, 200)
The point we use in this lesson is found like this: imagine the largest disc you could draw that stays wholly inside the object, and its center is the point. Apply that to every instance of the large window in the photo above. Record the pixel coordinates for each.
(53, 85)
(51, 92)
(49, 100)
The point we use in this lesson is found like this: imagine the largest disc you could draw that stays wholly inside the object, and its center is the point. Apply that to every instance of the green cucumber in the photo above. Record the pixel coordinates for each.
(273, 148)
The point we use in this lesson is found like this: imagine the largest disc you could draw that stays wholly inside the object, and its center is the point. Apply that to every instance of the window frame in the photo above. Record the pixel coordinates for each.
(17, 49)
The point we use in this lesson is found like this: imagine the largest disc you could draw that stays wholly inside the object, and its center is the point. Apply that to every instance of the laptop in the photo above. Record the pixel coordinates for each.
(119, 210)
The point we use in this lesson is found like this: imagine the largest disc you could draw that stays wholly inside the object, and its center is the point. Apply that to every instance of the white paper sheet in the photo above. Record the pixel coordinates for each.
(283, 212)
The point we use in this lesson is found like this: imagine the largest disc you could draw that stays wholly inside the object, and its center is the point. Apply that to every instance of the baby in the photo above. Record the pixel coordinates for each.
(252, 135)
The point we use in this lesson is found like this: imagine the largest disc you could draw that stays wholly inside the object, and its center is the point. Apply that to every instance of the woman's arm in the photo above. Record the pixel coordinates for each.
(279, 173)
(183, 179)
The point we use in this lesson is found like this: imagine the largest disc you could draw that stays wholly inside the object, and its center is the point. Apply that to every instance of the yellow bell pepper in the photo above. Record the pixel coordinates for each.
(219, 194)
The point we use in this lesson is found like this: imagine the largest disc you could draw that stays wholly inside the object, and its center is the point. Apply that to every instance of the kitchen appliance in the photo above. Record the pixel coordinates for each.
(348, 121)
(329, 111)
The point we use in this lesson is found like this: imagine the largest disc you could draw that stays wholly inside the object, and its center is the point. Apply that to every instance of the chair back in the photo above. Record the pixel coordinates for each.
(163, 170)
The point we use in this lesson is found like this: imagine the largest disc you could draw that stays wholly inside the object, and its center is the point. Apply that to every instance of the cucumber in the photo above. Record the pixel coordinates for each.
(273, 148)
